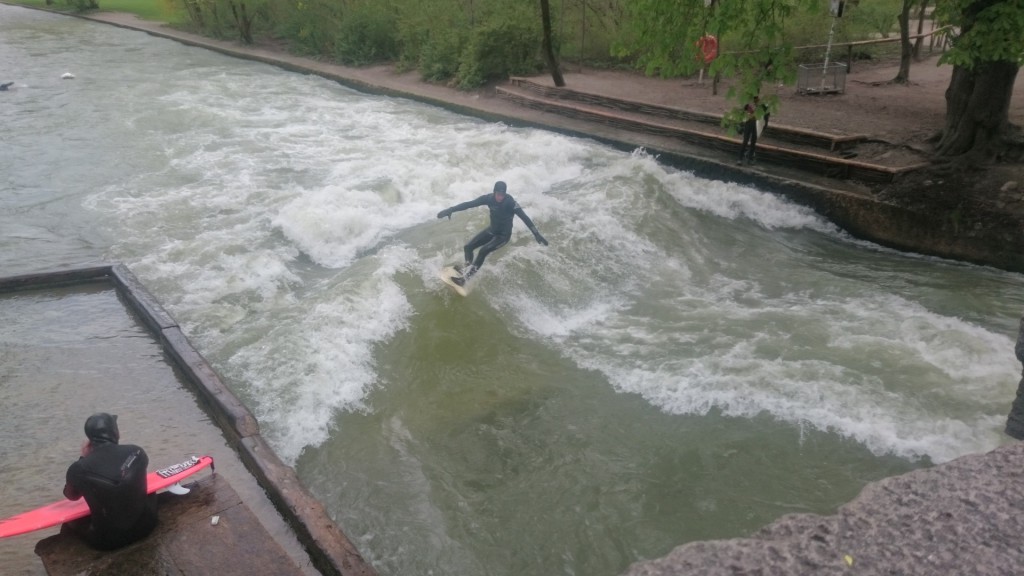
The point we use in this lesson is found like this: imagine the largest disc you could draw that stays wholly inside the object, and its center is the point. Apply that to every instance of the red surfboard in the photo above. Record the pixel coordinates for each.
(68, 510)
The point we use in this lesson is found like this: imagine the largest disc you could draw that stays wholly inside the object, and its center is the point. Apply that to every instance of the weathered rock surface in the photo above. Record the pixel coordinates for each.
(964, 517)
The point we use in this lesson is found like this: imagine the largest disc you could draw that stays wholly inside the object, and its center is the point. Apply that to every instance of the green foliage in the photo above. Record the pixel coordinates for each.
(877, 17)
(83, 5)
(367, 34)
(228, 18)
(988, 31)
(155, 10)
(431, 37)
(866, 19)
(471, 42)
(440, 55)
(587, 31)
(754, 47)
(307, 24)
(498, 49)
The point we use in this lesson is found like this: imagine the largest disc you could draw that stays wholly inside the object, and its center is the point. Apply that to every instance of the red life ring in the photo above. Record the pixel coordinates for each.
(708, 46)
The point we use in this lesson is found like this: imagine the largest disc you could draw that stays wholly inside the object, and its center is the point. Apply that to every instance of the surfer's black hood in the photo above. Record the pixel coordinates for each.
(102, 428)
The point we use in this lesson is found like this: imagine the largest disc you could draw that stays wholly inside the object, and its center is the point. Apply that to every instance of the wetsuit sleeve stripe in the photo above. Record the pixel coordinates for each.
(526, 219)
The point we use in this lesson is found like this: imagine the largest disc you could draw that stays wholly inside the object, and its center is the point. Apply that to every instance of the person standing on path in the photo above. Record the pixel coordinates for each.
(503, 207)
(749, 128)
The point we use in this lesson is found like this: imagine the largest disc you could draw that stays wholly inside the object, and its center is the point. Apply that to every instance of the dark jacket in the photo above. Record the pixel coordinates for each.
(501, 213)
(112, 478)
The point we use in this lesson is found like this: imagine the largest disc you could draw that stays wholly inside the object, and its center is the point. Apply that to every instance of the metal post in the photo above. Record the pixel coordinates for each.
(828, 52)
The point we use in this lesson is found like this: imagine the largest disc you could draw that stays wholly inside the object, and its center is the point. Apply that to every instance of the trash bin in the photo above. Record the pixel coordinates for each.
(819, 79)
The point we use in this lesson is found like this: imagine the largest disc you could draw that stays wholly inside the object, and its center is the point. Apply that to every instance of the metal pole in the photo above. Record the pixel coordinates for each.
(828, 52)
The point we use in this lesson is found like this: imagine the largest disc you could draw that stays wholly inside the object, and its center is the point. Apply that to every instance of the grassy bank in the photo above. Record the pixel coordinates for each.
(157, 10)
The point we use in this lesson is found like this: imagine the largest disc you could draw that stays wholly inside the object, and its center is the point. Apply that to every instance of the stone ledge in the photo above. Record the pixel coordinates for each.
(185, 542)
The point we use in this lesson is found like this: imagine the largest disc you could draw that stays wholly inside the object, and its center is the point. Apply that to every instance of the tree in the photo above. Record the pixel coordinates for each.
(549, 52)
(987, 52)
(986, 55)
(243, 20)
(906, 49)
(664, 38)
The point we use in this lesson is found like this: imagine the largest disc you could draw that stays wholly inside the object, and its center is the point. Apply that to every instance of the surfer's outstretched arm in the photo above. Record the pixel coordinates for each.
(447, 212)
(529, 224)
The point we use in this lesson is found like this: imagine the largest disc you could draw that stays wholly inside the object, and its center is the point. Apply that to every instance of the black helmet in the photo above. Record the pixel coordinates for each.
(499, 187)
(101, 428)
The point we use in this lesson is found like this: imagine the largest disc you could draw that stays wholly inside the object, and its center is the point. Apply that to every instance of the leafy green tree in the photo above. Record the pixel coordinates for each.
(987, 51)
(752, 43)
(986, 54)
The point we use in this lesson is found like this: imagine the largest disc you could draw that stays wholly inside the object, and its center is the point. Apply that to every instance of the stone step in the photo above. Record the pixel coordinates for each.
(825, 163)
(780, 132)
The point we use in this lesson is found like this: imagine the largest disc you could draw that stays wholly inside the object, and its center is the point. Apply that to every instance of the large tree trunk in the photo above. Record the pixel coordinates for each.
(977, 110)
(549, 51)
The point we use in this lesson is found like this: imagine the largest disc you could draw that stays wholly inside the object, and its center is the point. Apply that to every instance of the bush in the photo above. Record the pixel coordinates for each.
(307, 25)
(499, 49)
(366, 35)
(440, 55)
(83, 5)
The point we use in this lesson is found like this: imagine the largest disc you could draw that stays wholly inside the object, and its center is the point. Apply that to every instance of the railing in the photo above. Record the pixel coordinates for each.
(861, 43)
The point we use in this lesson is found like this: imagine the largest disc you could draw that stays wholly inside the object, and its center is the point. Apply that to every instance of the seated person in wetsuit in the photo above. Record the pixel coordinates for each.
(112, 478)
(502, 208)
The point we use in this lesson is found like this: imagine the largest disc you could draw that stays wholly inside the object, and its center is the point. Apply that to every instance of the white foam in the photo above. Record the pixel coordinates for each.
(320, 362)
(895, 377)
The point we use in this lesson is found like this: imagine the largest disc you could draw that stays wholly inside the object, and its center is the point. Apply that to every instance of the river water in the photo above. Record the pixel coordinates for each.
(689, 359)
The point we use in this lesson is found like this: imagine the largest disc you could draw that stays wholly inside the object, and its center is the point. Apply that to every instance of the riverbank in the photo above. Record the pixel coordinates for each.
(973, 216)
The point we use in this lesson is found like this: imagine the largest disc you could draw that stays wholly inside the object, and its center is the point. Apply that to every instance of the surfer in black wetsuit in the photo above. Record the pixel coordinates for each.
(750, 112)
(5, 86)
(112, 478)
(503, 207)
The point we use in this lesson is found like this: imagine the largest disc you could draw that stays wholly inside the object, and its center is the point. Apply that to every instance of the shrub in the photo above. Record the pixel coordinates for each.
(83, 5)
(499, 49)
(439, 56)
(366, 35)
